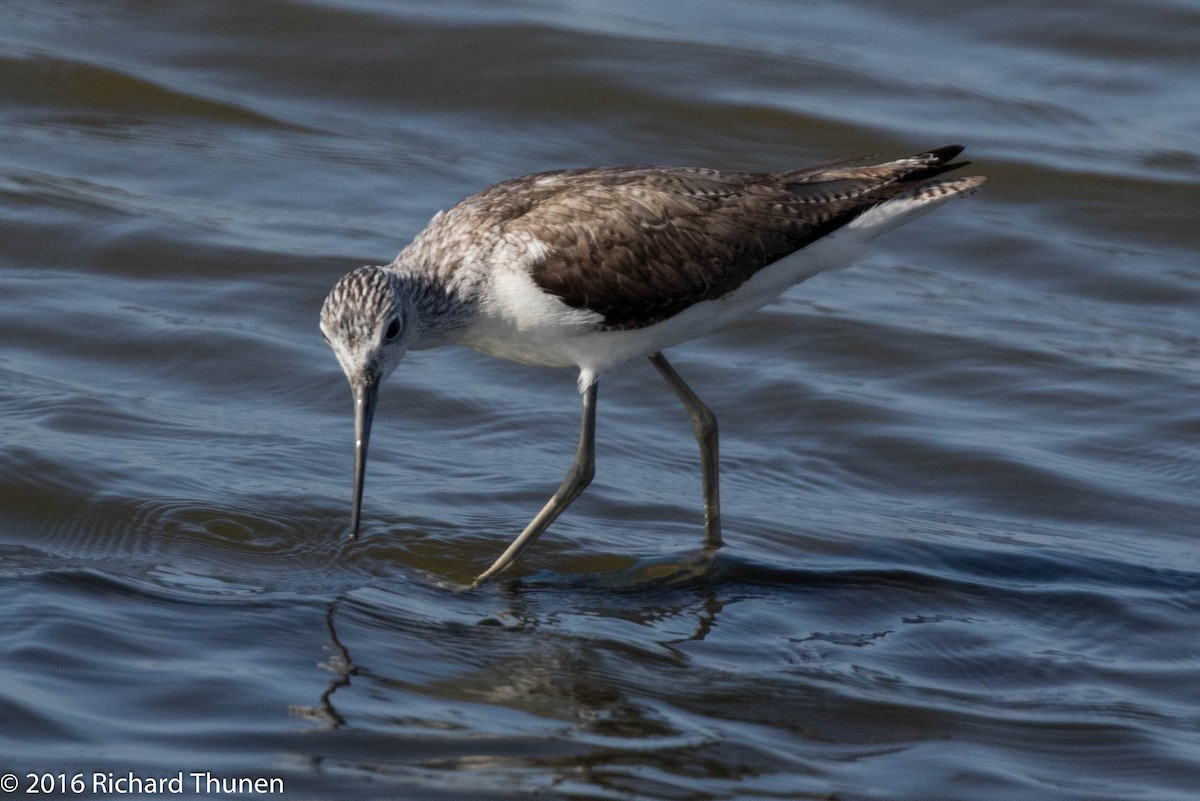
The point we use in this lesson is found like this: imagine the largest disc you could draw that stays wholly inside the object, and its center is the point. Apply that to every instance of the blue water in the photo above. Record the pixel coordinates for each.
(960, 480)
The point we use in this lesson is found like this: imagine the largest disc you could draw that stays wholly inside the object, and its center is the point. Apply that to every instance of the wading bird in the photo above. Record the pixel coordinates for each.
(590, 268)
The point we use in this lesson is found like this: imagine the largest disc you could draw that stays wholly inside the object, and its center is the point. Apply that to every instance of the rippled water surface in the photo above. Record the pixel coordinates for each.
(960, 479)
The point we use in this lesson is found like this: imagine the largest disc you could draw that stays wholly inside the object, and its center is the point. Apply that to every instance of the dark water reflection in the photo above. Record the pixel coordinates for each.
(960, 479)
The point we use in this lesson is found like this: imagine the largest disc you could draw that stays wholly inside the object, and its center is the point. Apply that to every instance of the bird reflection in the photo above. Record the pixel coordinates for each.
(342, 667)
(560, 675)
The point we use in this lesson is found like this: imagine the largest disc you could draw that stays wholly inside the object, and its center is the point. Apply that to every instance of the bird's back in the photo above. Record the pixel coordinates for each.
(637, 245)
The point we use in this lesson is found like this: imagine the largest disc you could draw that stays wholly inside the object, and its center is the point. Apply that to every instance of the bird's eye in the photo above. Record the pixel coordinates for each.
(393, 329)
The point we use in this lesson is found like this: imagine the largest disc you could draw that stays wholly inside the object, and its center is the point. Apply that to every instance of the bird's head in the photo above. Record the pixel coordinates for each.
(366, 319)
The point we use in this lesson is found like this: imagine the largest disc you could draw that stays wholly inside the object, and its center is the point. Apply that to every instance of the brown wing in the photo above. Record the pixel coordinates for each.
(638, 245)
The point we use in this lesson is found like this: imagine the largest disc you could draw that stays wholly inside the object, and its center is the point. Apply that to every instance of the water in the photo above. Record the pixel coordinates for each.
(960, 478)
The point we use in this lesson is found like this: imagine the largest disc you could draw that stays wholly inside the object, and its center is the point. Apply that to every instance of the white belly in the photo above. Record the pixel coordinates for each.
(521, 323)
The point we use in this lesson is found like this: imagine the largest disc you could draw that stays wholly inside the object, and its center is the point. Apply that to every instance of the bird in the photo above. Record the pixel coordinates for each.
(590, 268)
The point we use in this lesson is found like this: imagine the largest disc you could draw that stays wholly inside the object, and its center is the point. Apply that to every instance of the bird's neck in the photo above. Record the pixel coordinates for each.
(441, 310)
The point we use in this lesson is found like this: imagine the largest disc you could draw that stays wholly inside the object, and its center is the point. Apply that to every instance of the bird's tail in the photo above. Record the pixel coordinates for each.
(915, 189)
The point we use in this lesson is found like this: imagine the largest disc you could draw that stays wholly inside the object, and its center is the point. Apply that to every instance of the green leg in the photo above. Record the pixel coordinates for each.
(705, 424)
(578, 477)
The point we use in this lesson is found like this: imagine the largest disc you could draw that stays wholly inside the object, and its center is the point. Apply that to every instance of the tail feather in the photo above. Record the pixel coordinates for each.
(936, 162)
(913, 201)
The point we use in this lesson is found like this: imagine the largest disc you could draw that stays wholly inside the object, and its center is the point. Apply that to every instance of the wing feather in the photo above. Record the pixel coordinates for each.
(638, 245)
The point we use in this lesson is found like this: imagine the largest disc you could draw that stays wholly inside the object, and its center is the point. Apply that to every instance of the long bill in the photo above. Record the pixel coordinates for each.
(365, 394)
